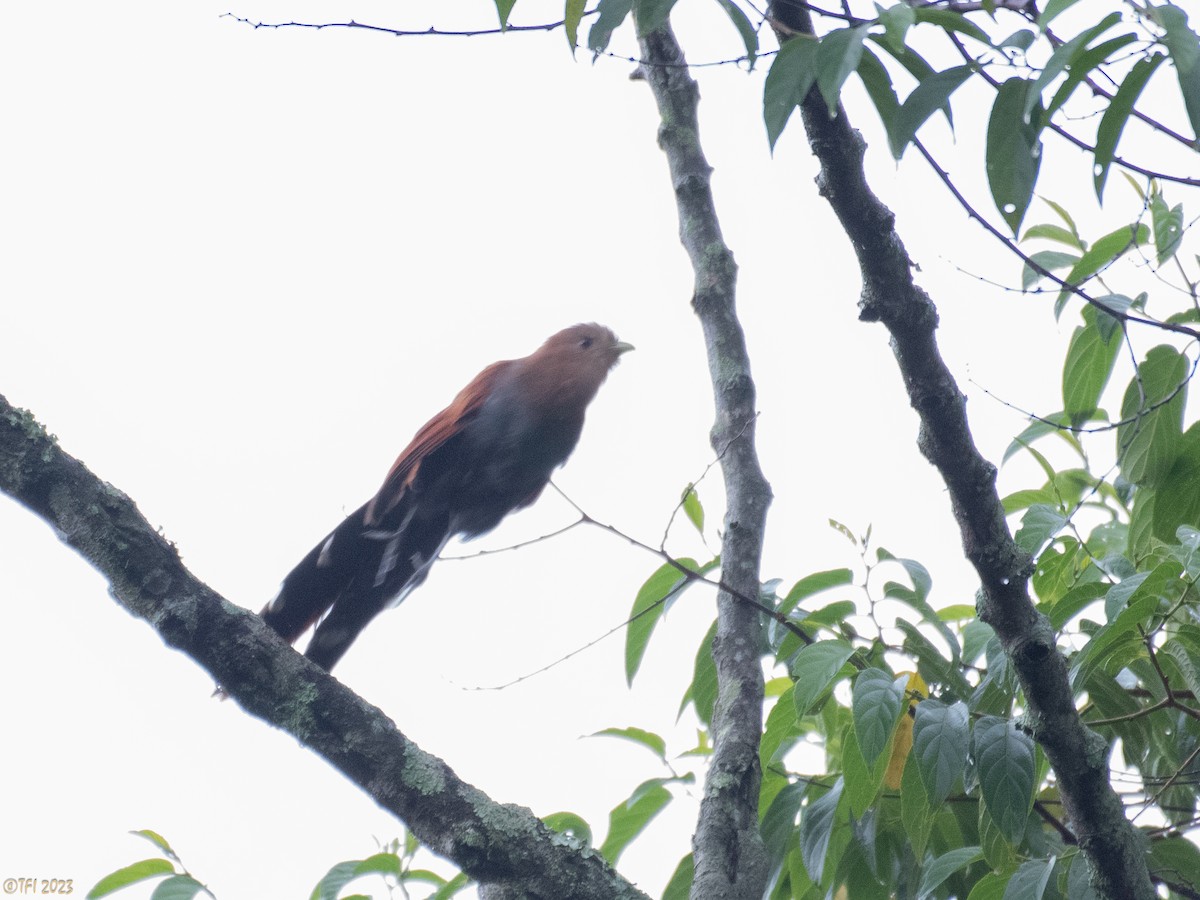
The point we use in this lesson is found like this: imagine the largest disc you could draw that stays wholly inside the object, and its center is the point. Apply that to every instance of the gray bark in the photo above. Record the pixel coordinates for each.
(730, 861)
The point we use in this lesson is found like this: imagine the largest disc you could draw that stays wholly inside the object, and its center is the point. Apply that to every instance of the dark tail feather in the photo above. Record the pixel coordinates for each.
(352, 576)
(311, 588)
(390, 565)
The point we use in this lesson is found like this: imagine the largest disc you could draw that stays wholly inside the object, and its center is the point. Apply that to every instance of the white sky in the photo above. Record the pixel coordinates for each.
(241, 267)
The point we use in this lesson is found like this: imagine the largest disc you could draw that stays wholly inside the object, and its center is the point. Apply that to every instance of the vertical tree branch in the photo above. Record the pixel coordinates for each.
(1079, 756)
(730, 861)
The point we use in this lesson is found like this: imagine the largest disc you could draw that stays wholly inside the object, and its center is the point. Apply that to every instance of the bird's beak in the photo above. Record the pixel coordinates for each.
(622, 347)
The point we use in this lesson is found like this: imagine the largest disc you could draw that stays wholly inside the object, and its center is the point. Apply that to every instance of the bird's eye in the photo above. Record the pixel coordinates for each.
(585, 343)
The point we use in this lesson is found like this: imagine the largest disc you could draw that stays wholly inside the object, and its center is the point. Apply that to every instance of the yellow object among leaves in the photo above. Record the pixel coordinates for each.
(903, 741)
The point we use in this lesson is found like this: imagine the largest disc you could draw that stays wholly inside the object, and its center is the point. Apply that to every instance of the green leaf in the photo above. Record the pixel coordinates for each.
(997, 851)
(1051, 232)
(1109, 318)
(1121, 631)
(177, 887)
(1089, 363)
(131, 874)
(627, 820)
(503, 8)
(779, 822)
(572, 15)
(421, 876)
(651, 14)
(1063, 57)
(1184, 46)
(952, 21)
(814, 584)
(1174, 859)
(915, 811)
(896, 20)
(338, 876)
(157, 840)
(878, 84)
(1112, 123)
(379, 864)
(931, 94)
(940, 742)
(838, 54)
(1030, 880)
(1074, 602)
(1052, 9)
(862, 781)
(1184, 651)
(744, 27)
(877, 704)
(1019, 500)
(1005, 761)
(941, 868)
(814, 670)
(932, 665)
(780, 726)
(1167, 225)
(1062, 213)
(610, 15)
(816, 828)
(702, 692)
(653, 600)
(1021, 39)
(1050, 260)
(991, 885)
(680, 884)
(830, 614)
(957, 612)
(1152, 425)
(692, 508)
(788, 82)
(1014, 152)
(570, 824)
(917, 598)
(1040, 524)
(1180, 505)
(1081, 66)
(1105, 251)
(656, 744)
(1079, 880)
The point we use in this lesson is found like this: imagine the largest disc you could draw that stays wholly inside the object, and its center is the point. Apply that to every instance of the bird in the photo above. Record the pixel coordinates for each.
(490, 452)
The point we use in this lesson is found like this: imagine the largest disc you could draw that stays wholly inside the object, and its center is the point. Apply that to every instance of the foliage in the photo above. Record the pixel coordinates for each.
(928, 782)
(176, 884)
(895, 756)
(393, 863)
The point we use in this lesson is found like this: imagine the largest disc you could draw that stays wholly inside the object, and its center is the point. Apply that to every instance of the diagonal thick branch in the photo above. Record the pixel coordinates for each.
(503, 847)
(889, 296)
(729, 857)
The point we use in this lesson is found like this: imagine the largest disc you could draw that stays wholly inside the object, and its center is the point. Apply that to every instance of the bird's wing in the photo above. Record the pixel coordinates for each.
(433, 434)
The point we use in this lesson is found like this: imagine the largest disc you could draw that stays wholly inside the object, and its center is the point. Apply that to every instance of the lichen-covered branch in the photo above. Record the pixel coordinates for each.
(889, 296)
(504, 847)
(730, 861)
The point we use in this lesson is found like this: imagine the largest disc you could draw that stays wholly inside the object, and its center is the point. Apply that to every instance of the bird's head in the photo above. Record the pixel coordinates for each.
(572, 364)
(588, 346)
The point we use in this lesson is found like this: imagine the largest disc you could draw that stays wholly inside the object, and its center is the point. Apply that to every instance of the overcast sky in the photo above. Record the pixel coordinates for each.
(241, 267)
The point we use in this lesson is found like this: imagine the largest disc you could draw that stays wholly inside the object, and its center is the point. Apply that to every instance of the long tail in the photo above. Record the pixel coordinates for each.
(350, 577)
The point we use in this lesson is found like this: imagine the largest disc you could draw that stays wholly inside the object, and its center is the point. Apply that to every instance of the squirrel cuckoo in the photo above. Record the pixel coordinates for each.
(491, 451)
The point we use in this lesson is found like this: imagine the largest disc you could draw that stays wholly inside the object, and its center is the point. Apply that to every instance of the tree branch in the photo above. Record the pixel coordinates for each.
(729, 856)
(504, 847)
(1078, 755)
